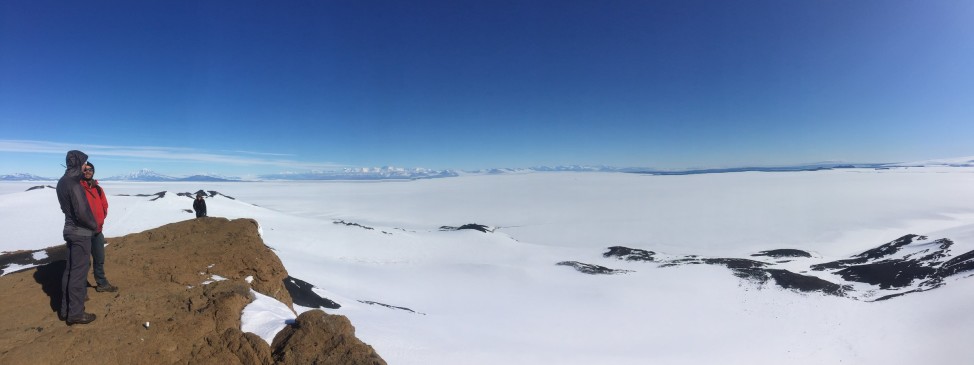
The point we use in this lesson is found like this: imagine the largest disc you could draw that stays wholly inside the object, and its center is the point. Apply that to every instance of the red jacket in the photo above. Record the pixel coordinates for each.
(97, 201)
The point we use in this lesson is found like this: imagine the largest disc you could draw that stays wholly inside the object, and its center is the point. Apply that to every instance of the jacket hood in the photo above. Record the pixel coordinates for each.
(73, 162)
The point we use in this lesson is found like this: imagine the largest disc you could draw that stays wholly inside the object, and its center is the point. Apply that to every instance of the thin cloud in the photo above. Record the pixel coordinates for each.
(262, 153)
(181, 154)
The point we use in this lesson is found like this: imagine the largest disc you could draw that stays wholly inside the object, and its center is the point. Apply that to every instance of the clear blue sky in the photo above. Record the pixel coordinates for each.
(249, 87)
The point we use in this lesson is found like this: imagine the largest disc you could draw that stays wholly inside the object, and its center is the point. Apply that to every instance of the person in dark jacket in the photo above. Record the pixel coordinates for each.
(199, 205)
(98, 202)
(79, 227)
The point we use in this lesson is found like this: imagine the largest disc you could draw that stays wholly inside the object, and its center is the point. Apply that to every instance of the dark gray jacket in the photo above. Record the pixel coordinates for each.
(78, 219)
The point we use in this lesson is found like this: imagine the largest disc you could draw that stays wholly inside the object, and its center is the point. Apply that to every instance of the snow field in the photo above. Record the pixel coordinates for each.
(488, 298)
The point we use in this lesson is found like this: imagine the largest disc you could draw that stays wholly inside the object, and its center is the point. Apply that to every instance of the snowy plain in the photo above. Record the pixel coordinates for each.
(499, 297)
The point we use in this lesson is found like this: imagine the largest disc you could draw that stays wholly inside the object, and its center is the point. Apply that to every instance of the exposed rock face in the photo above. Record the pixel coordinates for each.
(785, 252)
(909, 264)
(592, 269)
(473, 226)
(168, 277)
(319, 338)
(629, 254)
(303, 294)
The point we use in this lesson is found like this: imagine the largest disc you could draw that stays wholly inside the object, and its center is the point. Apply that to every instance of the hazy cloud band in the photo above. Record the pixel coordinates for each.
(182, 154)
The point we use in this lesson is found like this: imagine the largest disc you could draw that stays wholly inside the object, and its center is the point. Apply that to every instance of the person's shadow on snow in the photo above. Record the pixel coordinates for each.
(49, 276)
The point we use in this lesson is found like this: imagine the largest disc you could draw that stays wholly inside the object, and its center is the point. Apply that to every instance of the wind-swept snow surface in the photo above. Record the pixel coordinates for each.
(466, 269)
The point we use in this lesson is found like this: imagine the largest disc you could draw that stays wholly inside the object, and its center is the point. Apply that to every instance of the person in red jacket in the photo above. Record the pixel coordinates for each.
(99, 208)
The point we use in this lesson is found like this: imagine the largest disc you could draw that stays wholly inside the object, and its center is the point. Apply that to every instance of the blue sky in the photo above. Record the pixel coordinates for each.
(246, 87)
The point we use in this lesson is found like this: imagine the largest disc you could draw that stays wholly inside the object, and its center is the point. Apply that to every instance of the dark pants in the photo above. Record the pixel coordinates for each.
(74, 282)
(98, 259)
(200, 213)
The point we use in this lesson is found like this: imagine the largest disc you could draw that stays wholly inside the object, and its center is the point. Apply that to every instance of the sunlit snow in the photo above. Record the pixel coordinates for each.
(420, 294)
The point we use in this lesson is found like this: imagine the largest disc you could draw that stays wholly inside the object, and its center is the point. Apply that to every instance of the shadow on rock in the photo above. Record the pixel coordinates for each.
(49, 276)
(183, 287)
(302, 292)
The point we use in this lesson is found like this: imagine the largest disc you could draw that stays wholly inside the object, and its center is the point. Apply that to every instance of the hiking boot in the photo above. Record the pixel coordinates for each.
(107, 287)
(84, 318)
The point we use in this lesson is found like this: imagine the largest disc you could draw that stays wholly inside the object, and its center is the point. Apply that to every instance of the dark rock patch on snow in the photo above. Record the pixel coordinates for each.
(785, 252)
(629, 254)
(909, 264)
(956, 265)
(16, 258)
(302, 294)
(886, 249)
(789, 280)
(26, 259)
(473, 226)
(891, 247)
(214, 193)
(369, 302)
(730, 263)
(928, 265)
(156, 195)
(592, 269)
(888, 274)
(351, 224)
(208, 194)
(40, 187)
(735, 263)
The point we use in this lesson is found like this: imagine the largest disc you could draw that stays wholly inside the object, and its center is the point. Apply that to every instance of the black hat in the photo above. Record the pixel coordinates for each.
(92, 166)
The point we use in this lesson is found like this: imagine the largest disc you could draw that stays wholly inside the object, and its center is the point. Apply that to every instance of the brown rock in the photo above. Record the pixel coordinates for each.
(163, 275)
(320, 338)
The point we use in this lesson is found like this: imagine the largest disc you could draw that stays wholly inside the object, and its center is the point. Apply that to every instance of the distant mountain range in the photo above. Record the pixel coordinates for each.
(651, 171)
(368, 173)
(398, 173)
(946, 162)
(149, 175)
(24, 177)
(810, 167)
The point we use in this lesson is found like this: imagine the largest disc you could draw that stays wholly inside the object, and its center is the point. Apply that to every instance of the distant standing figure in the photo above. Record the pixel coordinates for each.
(79, 227)
(99, 208)
(199, 205)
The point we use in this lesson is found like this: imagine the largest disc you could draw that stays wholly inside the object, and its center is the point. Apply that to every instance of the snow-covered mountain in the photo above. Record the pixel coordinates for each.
(152, 176)
(653, 171)
(24, 177)
(944, 162)
(208, 177)
(577, 168)
(786, 168)
(141, 175)
(366, 173)
(909, 264)
(399, 173)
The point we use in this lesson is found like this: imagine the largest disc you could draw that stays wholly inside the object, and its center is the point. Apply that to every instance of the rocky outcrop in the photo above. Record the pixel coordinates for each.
(909, 264)
(319, 338)
(783, 253)
(190, 282)
(592, 269)
(473, 226)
